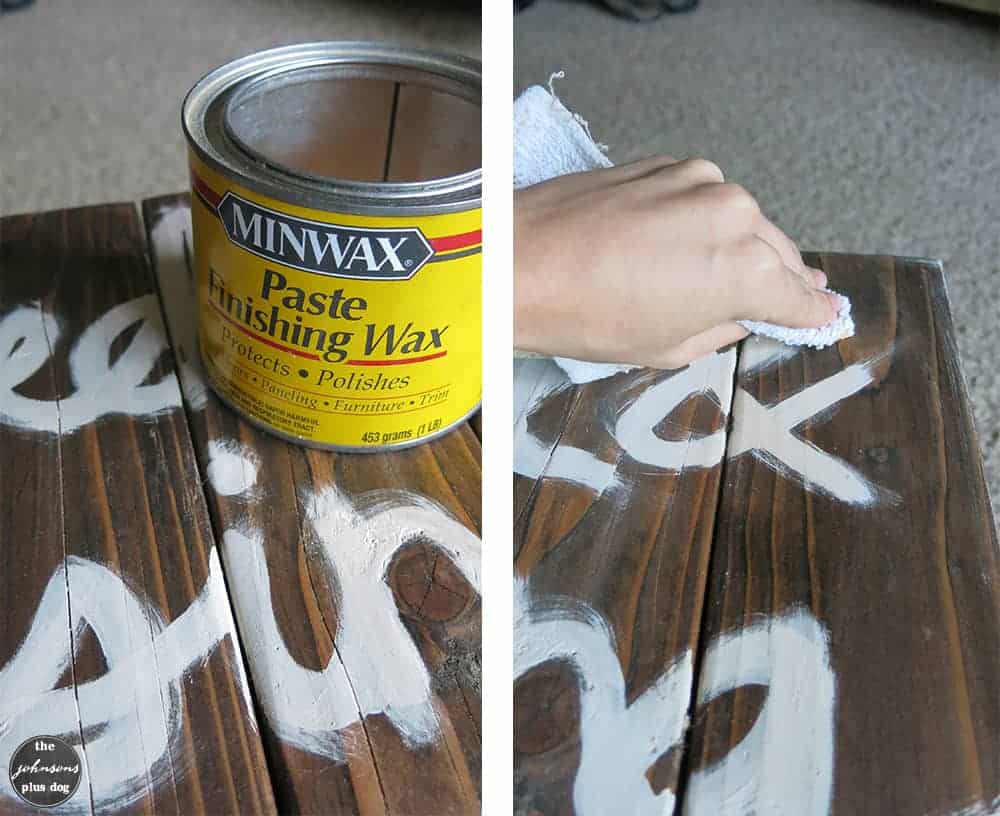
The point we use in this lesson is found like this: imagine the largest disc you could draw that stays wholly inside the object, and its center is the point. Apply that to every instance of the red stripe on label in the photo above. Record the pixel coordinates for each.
(210, 196)
(449, 242)
(264, 340)
(397, 362)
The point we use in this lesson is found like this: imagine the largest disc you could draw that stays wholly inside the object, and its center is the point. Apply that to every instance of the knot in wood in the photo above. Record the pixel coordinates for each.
(546, 708)
(428, 585)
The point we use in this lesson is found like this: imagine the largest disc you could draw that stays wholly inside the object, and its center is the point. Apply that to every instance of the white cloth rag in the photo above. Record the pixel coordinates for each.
(550, 141)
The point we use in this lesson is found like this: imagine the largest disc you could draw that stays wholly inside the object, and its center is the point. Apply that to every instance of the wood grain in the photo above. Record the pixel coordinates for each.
(847, 623)
(905, 587)
(118, 496)
(543, 401)
(366, 766)
(631, 546)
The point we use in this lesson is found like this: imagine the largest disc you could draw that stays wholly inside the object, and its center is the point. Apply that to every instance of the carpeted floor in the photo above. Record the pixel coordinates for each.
(860, 125)
(90, 92)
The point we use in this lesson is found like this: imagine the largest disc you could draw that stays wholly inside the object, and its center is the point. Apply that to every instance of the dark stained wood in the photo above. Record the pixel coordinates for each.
(435, 134)
(120, 497)
(477, 424)
(633, 548)
(847, 623)
(905, 588)
(543, 401)
(313, 591)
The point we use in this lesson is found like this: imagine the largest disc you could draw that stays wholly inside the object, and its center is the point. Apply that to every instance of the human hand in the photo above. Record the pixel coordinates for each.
(652, 263)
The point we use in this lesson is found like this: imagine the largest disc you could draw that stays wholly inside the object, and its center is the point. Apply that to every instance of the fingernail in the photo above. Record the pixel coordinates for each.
(819, 277)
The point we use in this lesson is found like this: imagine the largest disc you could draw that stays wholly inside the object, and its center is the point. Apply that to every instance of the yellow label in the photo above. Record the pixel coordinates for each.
(337, 329)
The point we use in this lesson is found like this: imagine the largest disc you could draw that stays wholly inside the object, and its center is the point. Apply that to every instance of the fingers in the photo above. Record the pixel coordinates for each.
(623, 173)
(690, 172)
(733, 212)
(760, 263)
(774, 293)
(657, 175)
(698, 179)
(801, 306)
(722, 213)
(701, 344)
(664, 175)
(641, 168)
(573, 185)
(789, 253)
(818, 276)
(784, 245)
(699, 171)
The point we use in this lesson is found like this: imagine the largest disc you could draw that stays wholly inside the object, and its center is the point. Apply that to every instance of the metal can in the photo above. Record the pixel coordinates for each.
(337, 236)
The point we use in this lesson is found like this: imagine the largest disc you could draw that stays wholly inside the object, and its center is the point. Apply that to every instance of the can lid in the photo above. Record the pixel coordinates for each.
(371, 127)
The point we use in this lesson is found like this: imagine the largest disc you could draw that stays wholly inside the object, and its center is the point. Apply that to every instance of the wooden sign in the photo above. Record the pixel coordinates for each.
(768, 583)
(355, 583)
(790, 550)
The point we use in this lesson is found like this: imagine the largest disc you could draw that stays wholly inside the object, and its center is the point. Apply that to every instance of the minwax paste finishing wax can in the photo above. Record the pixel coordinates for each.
(337, 239)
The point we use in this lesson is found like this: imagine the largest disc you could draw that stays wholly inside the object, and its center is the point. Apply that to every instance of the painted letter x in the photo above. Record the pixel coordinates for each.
(766, 431)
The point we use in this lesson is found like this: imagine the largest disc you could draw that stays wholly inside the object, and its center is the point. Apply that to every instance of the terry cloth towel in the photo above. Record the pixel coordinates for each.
(550, 141)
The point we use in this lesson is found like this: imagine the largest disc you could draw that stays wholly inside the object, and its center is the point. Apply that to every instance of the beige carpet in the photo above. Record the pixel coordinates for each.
(90, 90)
(861, 126)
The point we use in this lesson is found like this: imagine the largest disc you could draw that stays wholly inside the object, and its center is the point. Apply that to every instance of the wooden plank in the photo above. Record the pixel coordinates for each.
(476, 422)
(543, 400)
(852, 638)
(355, 580)
(115, 628)
(435, 134)
(611, 552)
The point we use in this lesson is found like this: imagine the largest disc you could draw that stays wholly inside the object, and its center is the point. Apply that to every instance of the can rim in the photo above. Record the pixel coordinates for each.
(207, 101)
